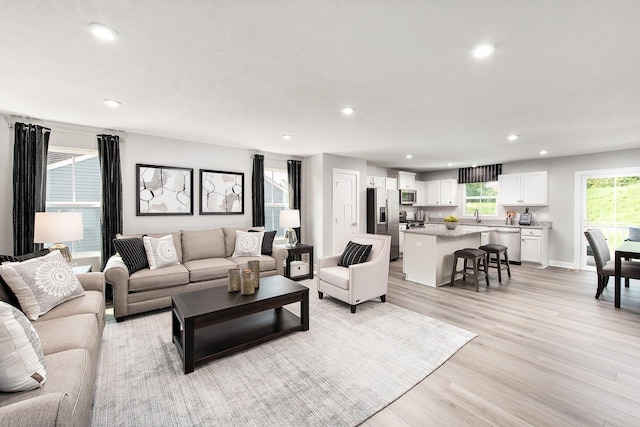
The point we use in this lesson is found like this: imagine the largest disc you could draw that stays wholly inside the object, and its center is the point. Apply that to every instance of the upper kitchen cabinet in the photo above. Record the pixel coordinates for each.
(406, 180)
(421, 193)
(376, 181)
(441, 193)
(391, 183)
(523, 189)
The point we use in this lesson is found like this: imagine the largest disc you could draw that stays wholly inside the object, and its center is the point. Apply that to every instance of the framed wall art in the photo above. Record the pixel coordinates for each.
(221, 193)
(163, 190)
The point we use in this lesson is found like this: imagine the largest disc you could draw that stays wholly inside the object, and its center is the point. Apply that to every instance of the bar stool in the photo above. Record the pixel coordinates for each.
(476, 256)
(497, 250)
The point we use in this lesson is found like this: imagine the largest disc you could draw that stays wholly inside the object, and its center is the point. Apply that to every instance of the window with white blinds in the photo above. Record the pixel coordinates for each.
(73, 185)
(276, 198)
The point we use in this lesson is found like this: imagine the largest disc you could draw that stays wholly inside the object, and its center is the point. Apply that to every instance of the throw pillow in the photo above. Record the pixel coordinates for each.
(42, 283)
(132, 252)
(11, 297)
(267, 241)
(160, 251)
(21, 356)
(248, 244)
(354, 253)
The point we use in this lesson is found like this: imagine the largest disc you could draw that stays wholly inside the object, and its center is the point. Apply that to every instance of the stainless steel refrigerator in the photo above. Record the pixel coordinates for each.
(383, 216)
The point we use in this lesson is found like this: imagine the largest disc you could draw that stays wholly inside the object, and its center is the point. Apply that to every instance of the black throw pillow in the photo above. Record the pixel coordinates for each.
(13, 300)
(132, 252)
(354, 253)
(267, 241)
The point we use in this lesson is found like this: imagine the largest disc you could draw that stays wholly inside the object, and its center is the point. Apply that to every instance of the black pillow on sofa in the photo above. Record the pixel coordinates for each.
(13, 300)
(267, 241)
(354, 253)
(132, 252)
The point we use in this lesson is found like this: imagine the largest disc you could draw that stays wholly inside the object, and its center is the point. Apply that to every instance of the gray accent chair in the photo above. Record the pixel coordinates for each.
(605, 266)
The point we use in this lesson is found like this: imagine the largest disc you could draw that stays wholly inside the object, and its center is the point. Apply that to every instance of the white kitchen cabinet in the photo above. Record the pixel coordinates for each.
(421, 193)
(406, 180)
(528, 189)
(442, 193)
(391, 183)
(534, 247)
(376, 181)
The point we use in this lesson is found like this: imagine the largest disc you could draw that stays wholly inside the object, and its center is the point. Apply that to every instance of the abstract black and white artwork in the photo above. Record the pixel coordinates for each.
(221, 192)
(164, 190)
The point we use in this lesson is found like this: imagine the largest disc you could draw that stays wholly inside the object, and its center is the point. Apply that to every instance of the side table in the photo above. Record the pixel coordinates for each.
(299, 249)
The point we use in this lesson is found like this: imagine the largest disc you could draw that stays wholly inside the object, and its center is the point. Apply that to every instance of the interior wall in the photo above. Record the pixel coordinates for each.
(6, 189)
(312, 203)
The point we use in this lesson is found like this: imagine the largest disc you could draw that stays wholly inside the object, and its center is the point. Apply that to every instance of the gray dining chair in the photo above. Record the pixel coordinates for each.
(634, 234)
(605, 266)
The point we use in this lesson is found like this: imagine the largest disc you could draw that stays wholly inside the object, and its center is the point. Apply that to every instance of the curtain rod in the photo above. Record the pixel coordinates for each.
(121, 134)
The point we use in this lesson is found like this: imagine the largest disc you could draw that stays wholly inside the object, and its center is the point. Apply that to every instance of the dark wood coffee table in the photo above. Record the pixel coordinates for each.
(214, 323)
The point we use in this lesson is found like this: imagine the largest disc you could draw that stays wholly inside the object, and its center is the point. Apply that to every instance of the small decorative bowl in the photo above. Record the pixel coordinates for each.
(450, 225)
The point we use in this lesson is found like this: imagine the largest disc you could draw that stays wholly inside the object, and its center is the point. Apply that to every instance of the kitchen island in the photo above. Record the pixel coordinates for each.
(428, 252)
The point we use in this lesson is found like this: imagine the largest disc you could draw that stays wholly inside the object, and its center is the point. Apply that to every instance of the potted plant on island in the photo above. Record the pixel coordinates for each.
(451, 222)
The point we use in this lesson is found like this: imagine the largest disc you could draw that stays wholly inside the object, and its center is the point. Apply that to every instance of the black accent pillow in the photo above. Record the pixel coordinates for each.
(267, 241)
(13, 300)
(354, 253)
(132, 252)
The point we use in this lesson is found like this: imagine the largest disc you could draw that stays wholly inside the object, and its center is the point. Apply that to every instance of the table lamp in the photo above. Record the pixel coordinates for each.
(290, 219)
(56, 227)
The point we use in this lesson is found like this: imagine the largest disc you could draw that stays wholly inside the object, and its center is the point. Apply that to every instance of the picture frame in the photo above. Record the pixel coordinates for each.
(163, 190)
(221, 192)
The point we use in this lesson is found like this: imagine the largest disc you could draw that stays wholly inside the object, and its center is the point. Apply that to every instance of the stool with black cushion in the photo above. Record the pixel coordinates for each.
(476, 256)
(497, 250)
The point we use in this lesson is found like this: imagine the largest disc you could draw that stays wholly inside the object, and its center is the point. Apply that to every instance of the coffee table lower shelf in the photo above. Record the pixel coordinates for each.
(222, 339)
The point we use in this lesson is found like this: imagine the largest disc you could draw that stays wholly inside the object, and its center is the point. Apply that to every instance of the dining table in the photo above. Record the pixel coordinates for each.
(627, 250)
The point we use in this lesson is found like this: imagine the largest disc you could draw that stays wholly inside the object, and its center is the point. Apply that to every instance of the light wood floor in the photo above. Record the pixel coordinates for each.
(547, 353)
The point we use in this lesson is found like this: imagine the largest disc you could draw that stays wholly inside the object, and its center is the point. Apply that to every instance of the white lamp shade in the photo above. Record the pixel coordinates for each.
(290, 218)
(55, 227)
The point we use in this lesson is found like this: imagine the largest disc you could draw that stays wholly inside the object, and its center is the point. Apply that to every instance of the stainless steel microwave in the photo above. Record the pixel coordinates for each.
(407, 197)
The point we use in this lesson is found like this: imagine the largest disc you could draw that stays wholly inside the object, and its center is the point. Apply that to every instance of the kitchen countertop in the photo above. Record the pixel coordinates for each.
(495, 223)
(441, 231)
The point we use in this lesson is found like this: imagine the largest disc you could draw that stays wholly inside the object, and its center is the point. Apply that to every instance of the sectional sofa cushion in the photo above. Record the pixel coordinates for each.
(145, 280)
(67, 333)
(21, 356)
(267, 262)
(132, 251)
(202, 244)
(208, 269)
(42, 283)
(161, 252)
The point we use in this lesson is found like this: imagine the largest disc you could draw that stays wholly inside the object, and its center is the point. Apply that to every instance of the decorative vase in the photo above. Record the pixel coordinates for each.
(451, 225)
(247, 282)
(234, 280)
(255, 267)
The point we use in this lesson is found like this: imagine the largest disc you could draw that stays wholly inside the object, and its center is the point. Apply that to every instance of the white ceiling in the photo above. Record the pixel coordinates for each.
(565, 74)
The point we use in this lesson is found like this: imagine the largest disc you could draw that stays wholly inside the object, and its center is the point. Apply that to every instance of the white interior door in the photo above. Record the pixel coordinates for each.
(345, 207)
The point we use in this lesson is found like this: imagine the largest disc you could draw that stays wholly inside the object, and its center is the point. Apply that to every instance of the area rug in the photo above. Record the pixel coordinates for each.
(343, 370)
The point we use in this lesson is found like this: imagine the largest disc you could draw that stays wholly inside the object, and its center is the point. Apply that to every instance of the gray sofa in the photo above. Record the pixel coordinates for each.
(71, 336)
(205, 259)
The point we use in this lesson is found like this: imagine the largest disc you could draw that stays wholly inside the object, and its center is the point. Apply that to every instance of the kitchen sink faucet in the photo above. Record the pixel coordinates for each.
(476, 213)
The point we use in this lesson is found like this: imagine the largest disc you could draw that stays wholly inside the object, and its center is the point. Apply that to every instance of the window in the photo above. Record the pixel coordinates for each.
(73, 185)
(276, 198)
(482, 196)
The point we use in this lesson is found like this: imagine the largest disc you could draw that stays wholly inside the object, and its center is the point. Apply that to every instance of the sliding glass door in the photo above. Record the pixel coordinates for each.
(611, 202)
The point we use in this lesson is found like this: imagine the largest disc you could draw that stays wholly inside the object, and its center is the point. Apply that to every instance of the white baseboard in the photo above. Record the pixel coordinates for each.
(562, 264)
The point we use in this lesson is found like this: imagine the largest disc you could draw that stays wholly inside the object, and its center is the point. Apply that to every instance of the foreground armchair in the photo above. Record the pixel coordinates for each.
(359, 282)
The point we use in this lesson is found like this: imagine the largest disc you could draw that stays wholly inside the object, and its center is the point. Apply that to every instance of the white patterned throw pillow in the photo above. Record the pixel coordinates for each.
(21, 356)
(248, 244)
(161, 252)
(42, 283)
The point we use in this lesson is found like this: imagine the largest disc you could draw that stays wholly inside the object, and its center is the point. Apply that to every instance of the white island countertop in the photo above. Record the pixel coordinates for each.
(442, 231)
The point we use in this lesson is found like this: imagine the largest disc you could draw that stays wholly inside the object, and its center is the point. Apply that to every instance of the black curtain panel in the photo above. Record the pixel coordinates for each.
(294, 169)
(486, 173)
(257, 190)
(111, 203)
(31, 143)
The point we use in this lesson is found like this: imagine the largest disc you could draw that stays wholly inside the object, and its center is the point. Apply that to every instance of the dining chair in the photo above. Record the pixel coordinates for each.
(605, 266)
(634, 234)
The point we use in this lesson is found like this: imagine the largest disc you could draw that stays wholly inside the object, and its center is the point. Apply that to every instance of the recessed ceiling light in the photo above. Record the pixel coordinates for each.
(103, 32)
(543, 152)
(449, 164)
(286, 136)
(112, 103)
(474, 166)
(347, 111)
(512, 137)
(409, 156)
(483, 50)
